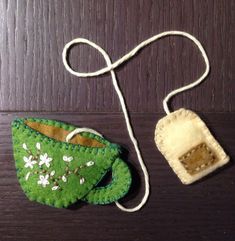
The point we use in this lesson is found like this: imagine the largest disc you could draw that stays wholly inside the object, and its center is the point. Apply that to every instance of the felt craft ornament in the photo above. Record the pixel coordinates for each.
(189, 147)
(58, 164)
(57, 169)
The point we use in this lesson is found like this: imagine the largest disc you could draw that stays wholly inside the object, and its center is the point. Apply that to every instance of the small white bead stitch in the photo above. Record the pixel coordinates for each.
(38, 146)
(64, 179)
(25, 146)
(90, 163)
(52, 173)
(67, 158)
(54, 188)
(27, 176)
(82, 180)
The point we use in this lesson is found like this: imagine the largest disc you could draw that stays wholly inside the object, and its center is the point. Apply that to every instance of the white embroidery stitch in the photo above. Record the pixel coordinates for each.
(52, 173)
(54, 188)
(90, 163)
(38, 146)
(25, 146)
(48, 176)
(27, 176)
(29, 162)
(67, 158)
(45, 160)
(43, 180)
(82, 180)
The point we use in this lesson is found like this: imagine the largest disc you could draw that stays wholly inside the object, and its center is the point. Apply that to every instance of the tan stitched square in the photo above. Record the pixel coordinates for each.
(198, 158)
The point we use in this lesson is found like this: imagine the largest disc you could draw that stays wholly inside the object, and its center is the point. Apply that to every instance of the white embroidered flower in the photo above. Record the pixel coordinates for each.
(54, 188)
(29, 162)
(67, 158)
(27, 176)
(82, 180)
(25, 146)
(43, 180)
(90, 163)
(45, 160)
(64, 179)
(52, 173)
(38, 146)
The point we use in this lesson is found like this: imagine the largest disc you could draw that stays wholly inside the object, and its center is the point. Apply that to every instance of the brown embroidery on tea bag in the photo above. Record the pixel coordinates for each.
(198, 159)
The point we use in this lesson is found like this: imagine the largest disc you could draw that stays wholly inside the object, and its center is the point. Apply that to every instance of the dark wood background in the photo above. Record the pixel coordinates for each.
(33, 82)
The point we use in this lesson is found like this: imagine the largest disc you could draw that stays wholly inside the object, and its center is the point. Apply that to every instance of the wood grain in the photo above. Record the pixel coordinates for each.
(203, 211)
(33, 82)
(33, 34)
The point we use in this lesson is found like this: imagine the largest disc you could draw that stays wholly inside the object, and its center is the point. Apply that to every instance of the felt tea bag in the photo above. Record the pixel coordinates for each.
(188, 146)
(184, 139)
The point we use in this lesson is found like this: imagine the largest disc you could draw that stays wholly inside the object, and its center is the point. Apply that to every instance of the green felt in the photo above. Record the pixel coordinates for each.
(104, 159)
(119, 186)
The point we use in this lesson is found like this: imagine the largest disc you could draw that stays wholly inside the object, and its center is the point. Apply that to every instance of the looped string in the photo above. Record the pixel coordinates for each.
(110, 68)
(79, 130)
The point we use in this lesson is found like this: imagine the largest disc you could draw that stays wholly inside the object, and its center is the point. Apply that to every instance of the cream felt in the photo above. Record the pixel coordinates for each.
(178, 133)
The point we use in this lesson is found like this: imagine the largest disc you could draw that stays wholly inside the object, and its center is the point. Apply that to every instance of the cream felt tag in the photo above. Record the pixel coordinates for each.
(188, 146)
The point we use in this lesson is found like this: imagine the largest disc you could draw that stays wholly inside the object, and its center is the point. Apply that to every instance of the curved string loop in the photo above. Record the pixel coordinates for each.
(110, 68)
(132, 53)
(79, 130)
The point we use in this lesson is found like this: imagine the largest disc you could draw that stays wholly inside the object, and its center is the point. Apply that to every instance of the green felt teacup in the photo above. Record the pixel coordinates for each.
(54, 172)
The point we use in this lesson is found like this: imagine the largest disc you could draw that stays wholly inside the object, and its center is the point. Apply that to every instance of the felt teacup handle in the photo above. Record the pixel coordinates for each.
(119, 186)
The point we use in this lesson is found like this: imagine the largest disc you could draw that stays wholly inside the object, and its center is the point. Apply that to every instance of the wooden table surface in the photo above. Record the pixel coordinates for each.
(34, 82)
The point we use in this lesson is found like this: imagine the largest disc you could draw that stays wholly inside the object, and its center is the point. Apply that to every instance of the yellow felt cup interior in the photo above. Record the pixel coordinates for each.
(60, 134)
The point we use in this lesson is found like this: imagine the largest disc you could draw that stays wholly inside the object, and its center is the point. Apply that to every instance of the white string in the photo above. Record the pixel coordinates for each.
(79, 130)
(110, 68)
(133, 52)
